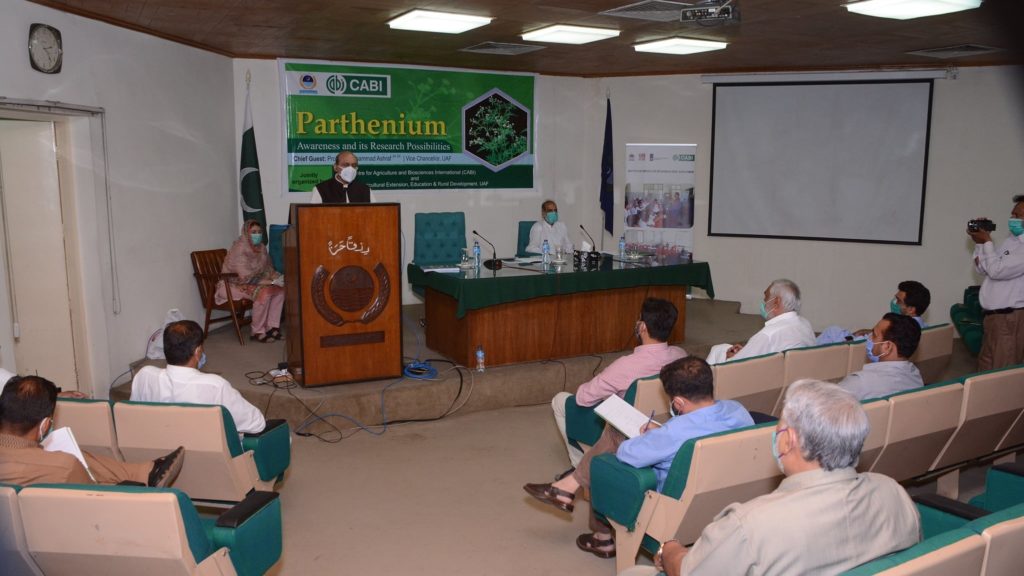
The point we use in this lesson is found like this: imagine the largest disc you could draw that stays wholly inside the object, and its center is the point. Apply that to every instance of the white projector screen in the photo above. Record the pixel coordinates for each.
(839, 161)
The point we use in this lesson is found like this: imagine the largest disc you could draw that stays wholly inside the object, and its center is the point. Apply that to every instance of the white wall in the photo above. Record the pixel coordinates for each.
(172, 159)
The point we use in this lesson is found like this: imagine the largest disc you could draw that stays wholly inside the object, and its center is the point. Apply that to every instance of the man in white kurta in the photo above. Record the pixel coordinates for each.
(183, 382)
(889, 346)
(550, 229)
(784, 328)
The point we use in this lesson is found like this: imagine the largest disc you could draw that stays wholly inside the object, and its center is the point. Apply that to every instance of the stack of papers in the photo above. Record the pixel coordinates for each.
(623, 416)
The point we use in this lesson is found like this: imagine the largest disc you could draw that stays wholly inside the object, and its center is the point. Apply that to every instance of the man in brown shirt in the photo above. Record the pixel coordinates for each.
(26, 416)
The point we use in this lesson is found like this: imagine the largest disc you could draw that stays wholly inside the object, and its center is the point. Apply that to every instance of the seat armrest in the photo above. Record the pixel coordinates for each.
(271, 424)
(251, 531)
(130, 483)
(950, 506)
(272, 449)
(940, 514)
(617, 489)
(1010, 468)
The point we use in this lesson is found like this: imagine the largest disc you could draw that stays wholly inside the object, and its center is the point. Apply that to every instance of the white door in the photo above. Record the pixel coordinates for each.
(34, 288)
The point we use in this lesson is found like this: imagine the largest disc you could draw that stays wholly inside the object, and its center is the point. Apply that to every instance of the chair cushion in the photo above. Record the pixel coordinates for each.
(439, 238)
(523, 238)
(617, 489)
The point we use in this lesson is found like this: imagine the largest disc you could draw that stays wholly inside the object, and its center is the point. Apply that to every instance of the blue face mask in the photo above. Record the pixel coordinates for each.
(764, 310)
(551, 217)
(1016, 226)
(256, 238)
(869, 348)
(775, 449)
(202, 360)
(894, 306)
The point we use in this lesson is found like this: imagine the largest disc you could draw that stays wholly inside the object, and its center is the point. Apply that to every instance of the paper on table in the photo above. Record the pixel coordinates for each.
(620, 414)
(63, 440)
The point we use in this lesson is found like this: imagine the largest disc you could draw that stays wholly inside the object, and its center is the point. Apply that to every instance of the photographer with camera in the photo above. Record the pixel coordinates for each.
(1002, 290)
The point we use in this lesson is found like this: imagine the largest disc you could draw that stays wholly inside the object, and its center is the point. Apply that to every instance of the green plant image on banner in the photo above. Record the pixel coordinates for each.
(411, 127)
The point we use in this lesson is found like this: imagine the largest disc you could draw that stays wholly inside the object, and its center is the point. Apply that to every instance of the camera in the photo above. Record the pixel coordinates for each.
(979, 224)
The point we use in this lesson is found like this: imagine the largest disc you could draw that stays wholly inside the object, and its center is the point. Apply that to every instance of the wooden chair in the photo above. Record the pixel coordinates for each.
(206, 267)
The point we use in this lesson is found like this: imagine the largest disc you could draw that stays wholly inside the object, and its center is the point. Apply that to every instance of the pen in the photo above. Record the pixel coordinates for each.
(649, 420)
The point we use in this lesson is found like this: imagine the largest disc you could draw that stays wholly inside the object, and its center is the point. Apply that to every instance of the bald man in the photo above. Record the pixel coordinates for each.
(343, 187)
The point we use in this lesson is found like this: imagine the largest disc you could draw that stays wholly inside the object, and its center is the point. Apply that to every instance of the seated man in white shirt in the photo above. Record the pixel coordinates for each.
(783, 329)
(550, 229)
(182, 382)
(890, 345)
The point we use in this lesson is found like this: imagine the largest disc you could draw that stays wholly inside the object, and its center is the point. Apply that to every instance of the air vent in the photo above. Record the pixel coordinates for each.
(956, 51)
(501, 48)
(655, 10)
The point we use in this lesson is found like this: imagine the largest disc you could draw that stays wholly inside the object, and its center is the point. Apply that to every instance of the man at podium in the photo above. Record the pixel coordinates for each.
(343, 187)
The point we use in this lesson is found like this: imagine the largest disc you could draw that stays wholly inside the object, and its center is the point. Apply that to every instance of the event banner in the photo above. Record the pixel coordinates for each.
(411, 127)
(659, 198)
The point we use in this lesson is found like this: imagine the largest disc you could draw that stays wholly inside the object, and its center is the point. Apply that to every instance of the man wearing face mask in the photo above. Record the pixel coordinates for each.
(1002, 292)
(689, 385)
(183, 382)
(889, 347)
(912, 299)
(657, 319)
(824, 518)
(550, 229)
(342, 187)
(784, 328)
(26, 416)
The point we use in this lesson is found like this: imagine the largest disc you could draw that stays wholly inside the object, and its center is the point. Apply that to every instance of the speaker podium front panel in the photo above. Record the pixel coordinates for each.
(344, 293)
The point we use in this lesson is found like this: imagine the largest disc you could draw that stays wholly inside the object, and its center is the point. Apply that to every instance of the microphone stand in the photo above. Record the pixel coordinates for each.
(493, 263)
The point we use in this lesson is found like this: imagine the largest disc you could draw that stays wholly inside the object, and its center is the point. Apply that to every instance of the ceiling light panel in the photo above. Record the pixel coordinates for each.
(679, 46)
(444, 22)
(565, 34)
(907, 9)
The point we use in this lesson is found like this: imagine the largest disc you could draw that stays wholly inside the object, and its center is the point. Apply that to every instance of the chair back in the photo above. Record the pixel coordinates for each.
(934, 352)
(649, 395)
(992, 403)
(523, 237)
(113, 530)
(878, 418)
(92, 423)
(440, 238)
(958, 552)
(827, 362)
(215, 467)
(206, 267)
(921, 421)
(858, 356)
(14, 555)
(754, 382)
(1003, 532)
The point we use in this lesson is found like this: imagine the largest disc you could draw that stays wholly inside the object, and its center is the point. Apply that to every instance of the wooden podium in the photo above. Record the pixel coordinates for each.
(343, 282)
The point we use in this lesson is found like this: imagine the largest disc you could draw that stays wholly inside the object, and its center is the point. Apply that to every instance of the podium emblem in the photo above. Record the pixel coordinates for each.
(351, 289)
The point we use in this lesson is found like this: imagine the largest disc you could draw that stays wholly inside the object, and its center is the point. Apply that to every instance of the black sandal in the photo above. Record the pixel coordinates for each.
(260, 338)
(275, 334)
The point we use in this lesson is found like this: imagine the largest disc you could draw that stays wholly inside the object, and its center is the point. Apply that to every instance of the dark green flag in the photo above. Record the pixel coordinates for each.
(249, 176)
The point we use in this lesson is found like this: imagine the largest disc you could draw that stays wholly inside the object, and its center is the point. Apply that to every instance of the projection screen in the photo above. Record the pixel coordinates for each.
(841, 161)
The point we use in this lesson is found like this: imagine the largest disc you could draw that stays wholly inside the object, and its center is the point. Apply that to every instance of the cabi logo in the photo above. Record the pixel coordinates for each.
(366, 85)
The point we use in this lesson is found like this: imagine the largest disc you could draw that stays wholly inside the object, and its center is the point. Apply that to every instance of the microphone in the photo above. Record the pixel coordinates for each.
(493, 263)
(592, 243)
(594, 257)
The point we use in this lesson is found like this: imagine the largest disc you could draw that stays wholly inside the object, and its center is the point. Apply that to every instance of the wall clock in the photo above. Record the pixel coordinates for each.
(45, 49)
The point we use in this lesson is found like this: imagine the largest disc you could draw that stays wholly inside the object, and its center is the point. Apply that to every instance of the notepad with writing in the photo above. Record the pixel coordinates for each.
(63, 440)
(620, 414)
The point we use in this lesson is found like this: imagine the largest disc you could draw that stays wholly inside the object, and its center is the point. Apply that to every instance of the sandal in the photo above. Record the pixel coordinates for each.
(260, 338)
(274, 334)
(588, 543)
(548, 494)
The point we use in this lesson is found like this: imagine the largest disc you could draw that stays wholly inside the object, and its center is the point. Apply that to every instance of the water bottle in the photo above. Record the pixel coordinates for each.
(546, 251)
(622, 247)
(480, 358)
(476, 254)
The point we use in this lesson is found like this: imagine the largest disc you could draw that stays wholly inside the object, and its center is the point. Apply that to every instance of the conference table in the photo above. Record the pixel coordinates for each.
(528, 312)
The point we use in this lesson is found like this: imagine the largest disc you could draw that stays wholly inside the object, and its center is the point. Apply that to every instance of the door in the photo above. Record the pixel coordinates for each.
(34, 290)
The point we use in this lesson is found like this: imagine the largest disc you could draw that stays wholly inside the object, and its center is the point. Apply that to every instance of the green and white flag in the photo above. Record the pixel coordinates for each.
(249, 175)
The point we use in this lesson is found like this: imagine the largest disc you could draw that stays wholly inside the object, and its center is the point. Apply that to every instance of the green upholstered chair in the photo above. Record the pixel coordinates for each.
(1004, 487)
(706, 475)
(440, 238)
(967, 319)
(122, 530)
(523, 239)
(275, 247)
(959, 552)
(15, 559)
(219, 465)
(583, 426)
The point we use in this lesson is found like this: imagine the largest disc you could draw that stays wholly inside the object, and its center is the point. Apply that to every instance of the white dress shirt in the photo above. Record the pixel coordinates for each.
(781, 333)
(181, 384)
(1003, 286)
(557, 236)
(879, 379)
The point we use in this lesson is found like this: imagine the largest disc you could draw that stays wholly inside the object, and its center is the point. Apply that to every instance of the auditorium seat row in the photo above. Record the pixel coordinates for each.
(72, 529)
(930, 430)
(218, 466)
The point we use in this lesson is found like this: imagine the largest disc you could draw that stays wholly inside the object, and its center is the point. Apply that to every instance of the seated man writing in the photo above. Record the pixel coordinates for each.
(657, 319)
(689, 384)
(183, 382)
(26, 416)
(824, 518)
(784, 328)
(911, 299)
(889, 347)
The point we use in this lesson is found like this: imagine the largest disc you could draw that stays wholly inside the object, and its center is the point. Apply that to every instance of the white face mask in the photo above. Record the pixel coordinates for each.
(44, 428)
(348, 173)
